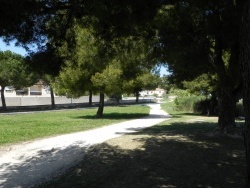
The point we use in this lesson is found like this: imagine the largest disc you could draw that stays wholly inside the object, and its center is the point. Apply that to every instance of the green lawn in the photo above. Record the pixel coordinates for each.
(22, 127)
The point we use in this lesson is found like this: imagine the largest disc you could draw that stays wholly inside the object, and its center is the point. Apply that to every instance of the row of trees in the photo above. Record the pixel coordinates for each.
(74, 79)
(114, 43)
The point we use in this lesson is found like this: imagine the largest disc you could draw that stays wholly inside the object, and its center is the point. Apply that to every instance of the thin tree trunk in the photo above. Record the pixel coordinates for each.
(53, 105)
(3, 98)
(90, 98)
(137, 94)
(245, 66)
(99, 113)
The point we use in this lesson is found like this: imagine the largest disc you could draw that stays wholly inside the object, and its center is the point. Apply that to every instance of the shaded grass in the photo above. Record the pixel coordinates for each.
(116, 116)
(19, 127)
(161, 162)
(176, 153)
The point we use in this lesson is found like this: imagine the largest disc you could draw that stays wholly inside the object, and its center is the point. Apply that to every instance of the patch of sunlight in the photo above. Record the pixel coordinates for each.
(234, 155)
(203, 119)
(129, 142)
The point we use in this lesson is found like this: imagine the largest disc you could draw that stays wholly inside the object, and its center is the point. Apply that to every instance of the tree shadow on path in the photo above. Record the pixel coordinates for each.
(162, 156)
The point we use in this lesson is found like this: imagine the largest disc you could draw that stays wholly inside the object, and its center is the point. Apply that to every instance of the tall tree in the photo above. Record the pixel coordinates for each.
(82, 60)
(143, 81)
(245, 67)
(108, 82)
(193, 37)
(93, 55)
(47, 65)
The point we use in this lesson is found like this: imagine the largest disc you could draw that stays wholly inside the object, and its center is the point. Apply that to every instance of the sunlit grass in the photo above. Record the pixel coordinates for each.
(22, 127)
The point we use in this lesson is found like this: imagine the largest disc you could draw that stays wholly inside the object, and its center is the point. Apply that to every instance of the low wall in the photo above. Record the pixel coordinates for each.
(44, 103)
(34, 101)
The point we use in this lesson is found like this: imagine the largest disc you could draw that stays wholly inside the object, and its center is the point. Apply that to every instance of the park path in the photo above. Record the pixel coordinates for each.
(29, 164)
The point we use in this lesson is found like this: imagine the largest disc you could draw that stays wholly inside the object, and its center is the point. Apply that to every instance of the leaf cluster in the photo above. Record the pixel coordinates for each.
(14, 71)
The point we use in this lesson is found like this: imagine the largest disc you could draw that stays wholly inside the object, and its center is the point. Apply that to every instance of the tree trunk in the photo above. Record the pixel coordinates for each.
(99, 113)
(227, 107)
(3, 98)
(226, 99)
(245, 66)
(137, 94)
(90, 98)
(53, 105)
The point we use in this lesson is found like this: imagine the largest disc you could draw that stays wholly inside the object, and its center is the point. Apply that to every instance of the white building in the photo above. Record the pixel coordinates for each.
(157, 92)
(36, 90)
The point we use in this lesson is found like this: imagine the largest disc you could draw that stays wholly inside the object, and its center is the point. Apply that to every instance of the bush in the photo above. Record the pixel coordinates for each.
(202, 107)
(186, 103)
(165, 96)
(206, 107)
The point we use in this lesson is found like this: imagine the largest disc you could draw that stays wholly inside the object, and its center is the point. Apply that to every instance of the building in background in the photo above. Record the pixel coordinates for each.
(158, 92)
(39, 89)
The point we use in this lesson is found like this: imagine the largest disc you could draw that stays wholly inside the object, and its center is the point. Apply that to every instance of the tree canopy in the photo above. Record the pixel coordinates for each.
(14, 72)
(194, 41)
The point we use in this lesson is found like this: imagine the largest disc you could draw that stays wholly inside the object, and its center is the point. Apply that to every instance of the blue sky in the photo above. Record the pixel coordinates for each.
(164, 71)
(12, 47)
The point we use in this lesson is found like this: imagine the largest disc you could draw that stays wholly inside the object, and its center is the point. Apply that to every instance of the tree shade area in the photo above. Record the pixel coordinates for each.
(112, 47)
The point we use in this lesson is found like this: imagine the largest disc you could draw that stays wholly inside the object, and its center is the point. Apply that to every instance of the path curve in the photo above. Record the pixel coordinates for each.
(35, 162)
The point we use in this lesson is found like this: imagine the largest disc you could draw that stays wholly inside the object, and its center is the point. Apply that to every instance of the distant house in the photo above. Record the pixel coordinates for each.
(39, 89)
(157, 92)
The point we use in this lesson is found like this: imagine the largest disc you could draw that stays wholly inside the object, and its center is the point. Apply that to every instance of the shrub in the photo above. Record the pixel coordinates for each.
(165, 96)
(201, 107)
(206, 107)
(186, 103)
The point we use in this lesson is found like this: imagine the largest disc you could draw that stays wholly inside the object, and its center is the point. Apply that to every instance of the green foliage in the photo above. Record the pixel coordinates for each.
(186, 103)
(202, 107)
(195, 42)
(71, 82)
(81, 63)
(204, 84)
(109, 81)
(24, 20)
(165, 83)
(183, 46)
(184, 100)
(14, 71)
(165, 95)
(179, 92)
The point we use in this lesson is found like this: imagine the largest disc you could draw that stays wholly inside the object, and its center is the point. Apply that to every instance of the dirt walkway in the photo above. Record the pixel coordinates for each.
(32, 163)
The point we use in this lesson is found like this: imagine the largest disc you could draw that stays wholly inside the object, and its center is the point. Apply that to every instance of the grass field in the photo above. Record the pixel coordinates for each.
(179, 153)
(18, 127)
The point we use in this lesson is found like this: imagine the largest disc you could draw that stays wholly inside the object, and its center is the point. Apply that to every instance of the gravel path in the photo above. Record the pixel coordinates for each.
(28, 164)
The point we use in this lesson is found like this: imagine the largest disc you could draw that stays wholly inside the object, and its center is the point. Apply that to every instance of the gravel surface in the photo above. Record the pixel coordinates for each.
(31, 163)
